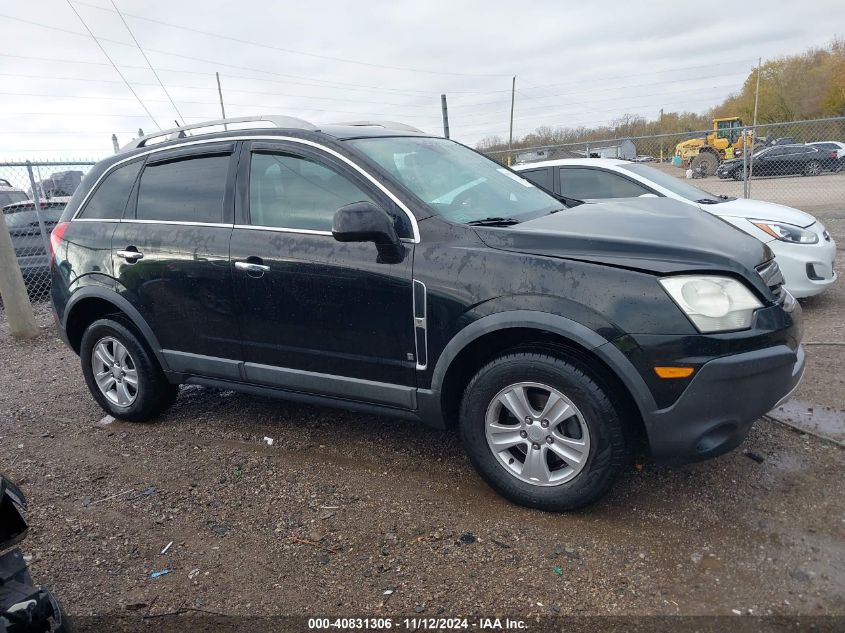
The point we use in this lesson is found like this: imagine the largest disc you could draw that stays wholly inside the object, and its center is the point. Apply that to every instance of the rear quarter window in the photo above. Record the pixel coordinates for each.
(112, 194)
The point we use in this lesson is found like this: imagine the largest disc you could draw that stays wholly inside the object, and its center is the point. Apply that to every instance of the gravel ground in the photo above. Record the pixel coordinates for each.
(345, 507)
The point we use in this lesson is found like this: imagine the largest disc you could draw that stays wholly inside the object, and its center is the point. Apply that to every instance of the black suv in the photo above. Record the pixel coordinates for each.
(373, 267)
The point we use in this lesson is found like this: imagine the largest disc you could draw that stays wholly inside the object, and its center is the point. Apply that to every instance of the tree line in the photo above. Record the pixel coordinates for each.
(805, 86)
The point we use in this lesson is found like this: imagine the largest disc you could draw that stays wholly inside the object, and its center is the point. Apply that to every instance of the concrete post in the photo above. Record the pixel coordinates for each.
(13, 290)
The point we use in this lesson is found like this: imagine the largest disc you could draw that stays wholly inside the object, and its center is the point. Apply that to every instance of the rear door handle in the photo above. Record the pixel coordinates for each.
(130, 256)
(252, 268)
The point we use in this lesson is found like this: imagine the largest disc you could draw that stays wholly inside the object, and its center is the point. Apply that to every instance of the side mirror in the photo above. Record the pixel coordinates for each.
(367, 222)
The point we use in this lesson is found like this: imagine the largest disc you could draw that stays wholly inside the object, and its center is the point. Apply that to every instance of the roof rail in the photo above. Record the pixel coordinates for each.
(183, 131)
(388, 125)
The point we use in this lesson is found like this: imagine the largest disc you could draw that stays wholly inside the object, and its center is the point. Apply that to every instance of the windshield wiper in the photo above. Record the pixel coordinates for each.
(722, 198)
(493, 222)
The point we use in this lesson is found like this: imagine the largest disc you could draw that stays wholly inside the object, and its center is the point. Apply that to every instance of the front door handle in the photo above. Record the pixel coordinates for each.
(130, 256)
(252, 268)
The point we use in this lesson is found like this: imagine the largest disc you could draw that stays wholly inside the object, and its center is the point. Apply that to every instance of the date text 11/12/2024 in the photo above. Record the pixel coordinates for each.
(414, 624)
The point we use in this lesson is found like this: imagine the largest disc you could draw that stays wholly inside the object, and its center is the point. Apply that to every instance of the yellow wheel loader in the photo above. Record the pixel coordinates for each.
(703, 155)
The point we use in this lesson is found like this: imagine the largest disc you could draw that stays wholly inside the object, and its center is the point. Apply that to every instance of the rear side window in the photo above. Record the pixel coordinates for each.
(540, 177)
(109, 199)
(586, 184)
(188, 190)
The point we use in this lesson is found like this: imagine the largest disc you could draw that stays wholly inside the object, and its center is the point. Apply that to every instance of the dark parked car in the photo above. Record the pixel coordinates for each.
(836, 162)
(372, 267)
(25, 230)
(780, 160)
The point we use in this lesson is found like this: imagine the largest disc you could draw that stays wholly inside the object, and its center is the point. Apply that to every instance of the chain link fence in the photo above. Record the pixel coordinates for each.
(799, 164)
(33, 196)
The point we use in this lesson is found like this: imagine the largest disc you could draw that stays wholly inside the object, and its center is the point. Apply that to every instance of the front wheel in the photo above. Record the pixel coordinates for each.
(542, 432)
(122, 374)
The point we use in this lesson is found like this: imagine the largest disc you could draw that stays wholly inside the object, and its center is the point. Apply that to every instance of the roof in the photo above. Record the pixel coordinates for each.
(598, 144)
(272, 124)
(599, 162)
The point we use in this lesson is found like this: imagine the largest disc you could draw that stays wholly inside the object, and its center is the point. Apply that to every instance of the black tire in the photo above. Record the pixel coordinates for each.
(813, 168)
(705, 162)
(738, 174)
(154, 393)
(609, 449)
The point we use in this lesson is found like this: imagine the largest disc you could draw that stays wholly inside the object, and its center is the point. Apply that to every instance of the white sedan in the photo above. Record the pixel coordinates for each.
(804, 249)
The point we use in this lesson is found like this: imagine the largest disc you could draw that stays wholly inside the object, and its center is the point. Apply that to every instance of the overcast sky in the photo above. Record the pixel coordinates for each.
(577, 63)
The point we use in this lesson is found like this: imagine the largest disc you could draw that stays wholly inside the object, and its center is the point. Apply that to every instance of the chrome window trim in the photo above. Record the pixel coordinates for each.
(281, 229)
(414, 226)
(225, 225)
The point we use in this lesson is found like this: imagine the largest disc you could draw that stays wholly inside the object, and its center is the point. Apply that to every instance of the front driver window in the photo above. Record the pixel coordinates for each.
(292, 192)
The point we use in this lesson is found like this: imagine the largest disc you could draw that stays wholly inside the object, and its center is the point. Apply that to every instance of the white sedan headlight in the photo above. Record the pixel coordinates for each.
(713, 304)
(786, 232)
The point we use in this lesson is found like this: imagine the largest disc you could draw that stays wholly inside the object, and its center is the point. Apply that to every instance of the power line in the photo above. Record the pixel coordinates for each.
(255, 92)
(219, 63)
(551, 108)
(146, 59)
(296, 52)
(217, 104)
(117, 70)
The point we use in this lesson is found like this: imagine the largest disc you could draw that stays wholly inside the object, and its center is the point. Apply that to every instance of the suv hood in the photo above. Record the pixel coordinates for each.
(656, 235)
(759, 210)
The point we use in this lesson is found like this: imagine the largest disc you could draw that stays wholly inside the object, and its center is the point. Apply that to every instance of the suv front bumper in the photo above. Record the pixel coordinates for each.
(717, 409)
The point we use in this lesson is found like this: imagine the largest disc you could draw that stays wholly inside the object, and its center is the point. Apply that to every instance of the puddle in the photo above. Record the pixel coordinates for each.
(812, 418)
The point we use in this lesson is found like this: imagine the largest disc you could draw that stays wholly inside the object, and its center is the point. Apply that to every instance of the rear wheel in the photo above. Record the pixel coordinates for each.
(542, 432)
(122, 374)
(705, 163)
(813, 168)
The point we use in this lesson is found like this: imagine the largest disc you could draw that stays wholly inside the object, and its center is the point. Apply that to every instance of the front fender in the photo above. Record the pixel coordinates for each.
(541, 321)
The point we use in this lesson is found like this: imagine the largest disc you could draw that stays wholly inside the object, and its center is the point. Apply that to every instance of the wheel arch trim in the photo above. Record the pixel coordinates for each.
(122, 305)
(562, 326)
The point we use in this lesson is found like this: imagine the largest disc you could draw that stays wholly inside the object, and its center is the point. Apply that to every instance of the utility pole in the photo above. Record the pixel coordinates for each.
(510, 133)
(220, 92)
(12, 288)
(114, 143)
(661, 135)
(753, 131)
(445, 111)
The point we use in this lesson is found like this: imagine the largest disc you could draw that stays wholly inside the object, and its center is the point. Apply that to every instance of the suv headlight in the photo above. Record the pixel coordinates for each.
(713, 304)
(786, 232)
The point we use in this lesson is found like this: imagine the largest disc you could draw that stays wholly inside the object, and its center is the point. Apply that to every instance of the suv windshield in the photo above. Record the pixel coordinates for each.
(456, 182)
(675, 185)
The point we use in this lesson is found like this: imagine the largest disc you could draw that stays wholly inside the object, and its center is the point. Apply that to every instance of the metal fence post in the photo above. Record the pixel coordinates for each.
(36, 198)
(13, 290)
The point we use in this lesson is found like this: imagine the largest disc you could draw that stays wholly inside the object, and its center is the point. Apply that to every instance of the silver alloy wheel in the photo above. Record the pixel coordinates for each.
(813, 168)
(114, 371)
(537, 434)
